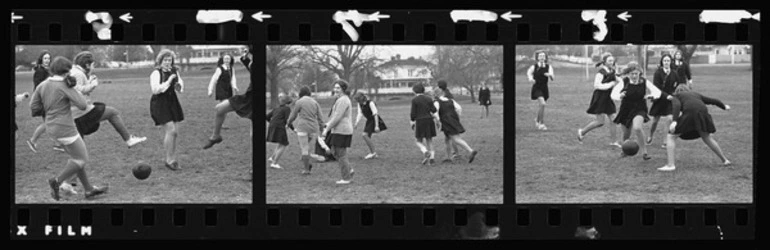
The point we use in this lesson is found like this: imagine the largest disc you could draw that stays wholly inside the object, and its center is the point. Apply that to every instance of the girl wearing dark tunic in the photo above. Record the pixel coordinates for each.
(374, 123)
(340, 128)
(484, 98)
(632, 95)
(276, 131)
(42, 72)
(223, 82)
(424, 121)
(602, 105)
(240, 104)
(448, 141)
(448, 111)
(682, 68)
(164, 104)
(539, 74)
(666, 79)
(691, 120)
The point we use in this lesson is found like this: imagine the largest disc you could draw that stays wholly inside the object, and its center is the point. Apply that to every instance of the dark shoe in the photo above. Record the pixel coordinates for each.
(646, 157)
(432, 161)
(211, 142)
(96, 191)
(473, 156)
(447, 161)
(54, 188)
(173, 166)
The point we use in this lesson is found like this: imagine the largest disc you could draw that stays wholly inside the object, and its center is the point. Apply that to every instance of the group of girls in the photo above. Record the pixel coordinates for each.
(670, 91)
(62, 91)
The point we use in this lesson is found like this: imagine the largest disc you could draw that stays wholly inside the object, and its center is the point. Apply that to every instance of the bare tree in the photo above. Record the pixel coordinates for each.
(687, 51)
(467, 66)
(344, 60)
(279, 58)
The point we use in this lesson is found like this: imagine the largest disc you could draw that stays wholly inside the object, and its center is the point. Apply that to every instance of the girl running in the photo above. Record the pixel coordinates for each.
(665, 79)
(374, 123)
(276, 131)
(223, 82)
(633, 106)
(539, 74)
(601, 104)
(448, 111)
(54, 98)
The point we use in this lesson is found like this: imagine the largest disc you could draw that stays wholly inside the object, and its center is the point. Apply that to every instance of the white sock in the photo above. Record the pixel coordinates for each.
(422, 147)
(432, 154)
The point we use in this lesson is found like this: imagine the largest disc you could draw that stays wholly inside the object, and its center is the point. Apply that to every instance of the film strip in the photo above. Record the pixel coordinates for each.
(305, 208)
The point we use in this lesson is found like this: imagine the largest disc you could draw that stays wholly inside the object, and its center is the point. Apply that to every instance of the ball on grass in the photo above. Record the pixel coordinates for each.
(630, 148)
(142, 171)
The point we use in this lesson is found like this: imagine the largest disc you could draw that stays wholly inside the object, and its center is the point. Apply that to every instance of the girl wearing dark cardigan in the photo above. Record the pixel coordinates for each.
(666, 79)
(682, 68)
(485, 98)
(602, 104)
(424, 121)
(276, 131)
(691, 120)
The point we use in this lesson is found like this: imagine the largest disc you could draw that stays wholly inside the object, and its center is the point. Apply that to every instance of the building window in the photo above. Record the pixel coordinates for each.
(411, 72)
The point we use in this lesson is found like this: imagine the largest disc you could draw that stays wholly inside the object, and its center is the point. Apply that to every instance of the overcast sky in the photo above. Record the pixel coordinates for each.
(386, 51)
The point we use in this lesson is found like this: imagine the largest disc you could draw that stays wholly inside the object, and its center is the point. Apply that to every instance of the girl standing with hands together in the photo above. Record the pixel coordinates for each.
(340, 128)
(164, 104)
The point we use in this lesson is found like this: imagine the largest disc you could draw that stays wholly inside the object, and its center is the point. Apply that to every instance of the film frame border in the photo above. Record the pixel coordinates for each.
(508, 43)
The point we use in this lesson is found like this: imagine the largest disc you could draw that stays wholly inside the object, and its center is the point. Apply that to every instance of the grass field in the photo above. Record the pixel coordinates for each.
(217, 175)
(397, 176)
(552, 167)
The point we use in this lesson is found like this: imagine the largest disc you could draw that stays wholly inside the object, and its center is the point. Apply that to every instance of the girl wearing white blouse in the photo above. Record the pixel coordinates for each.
(164, 104)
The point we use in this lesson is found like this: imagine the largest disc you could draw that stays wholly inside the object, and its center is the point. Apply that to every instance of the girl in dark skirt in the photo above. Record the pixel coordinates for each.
(682, 68)
(633, 105)
(276, 131)
(424, 122)
(485, 98)
(448, 111)
(601, 104)
(448, 141)
(164, 104)
(374, 123)
(539, 74)
(694, 122)
(42, 72)
(223, 82)
(340, 128)
(240, 104)
(666, 79)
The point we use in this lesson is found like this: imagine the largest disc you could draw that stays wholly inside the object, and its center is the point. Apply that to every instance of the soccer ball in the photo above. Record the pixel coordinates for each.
(142, 171)
(630, 148)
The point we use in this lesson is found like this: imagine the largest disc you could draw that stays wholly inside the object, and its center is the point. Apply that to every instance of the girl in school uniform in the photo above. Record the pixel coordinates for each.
(601, 105)
(240, 104)
(682, 68)
(223, 82)
(448, 141)
(448, 111)
(691, 120)
(632, 94)
(164, 104)
(485, 99)
(374, 123)
(424, 122)
(539, 74)
(276, 131)
(307, 114)
(54, 98)
(42, 72)
(340, 128)
(665, 79)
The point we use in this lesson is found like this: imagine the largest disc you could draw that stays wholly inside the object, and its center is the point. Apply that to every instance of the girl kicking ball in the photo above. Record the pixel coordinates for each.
(633, 104)
(694, 122)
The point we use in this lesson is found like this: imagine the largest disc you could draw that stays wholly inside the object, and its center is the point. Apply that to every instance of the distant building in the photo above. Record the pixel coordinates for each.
(211, 53)
(399, 75)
